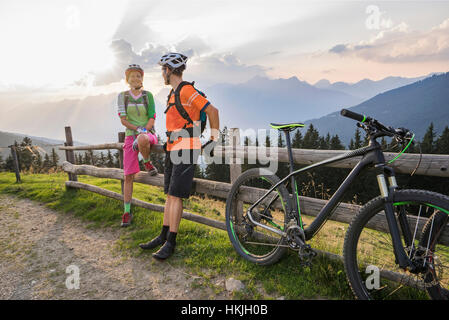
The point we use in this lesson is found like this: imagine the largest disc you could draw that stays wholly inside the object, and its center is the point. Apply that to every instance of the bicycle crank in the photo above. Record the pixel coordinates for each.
(296, 240)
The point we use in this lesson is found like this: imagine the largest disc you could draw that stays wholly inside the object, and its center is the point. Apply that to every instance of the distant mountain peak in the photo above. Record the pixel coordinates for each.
(322, 84)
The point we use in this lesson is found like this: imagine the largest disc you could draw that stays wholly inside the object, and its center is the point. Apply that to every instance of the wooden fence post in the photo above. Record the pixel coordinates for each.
(121, 139)
(16, 163)
(70, 154)
(235, 167)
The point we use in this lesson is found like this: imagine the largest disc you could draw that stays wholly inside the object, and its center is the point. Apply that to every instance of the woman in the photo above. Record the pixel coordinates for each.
(137, 113)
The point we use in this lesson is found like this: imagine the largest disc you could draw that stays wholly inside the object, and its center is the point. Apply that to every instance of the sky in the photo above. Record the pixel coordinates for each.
(62, 49)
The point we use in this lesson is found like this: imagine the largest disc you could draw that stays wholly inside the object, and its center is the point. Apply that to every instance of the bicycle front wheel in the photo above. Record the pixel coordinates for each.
(257, 243)
(369, 259)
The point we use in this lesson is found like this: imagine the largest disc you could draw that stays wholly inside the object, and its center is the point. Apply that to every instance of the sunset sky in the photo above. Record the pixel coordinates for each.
(77, 48)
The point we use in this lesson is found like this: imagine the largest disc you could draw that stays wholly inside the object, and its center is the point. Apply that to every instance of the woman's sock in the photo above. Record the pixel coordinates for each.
(127, 207)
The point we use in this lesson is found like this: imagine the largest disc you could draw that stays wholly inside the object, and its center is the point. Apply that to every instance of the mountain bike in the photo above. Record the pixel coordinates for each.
(401, 234)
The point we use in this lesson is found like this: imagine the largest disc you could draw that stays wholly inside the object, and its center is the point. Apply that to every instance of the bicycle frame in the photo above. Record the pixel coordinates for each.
(372, 156)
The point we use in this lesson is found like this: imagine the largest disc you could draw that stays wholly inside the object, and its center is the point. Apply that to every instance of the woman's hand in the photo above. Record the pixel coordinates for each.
(150, 124)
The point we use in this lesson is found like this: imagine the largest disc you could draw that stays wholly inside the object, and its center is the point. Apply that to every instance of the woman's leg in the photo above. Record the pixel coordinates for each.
(144, 146)
(128, 188)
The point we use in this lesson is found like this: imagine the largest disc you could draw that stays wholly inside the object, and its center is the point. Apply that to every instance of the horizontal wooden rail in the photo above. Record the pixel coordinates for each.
(155, 207)
(429, 164)
(309, 206)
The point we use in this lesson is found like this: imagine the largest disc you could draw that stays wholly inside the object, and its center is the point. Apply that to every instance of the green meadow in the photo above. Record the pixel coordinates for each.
(202, 250)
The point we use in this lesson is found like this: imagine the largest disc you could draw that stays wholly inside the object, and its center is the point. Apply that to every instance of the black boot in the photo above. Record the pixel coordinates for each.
(156, 242)
(166, 251)
(159, 240)
(168, 248)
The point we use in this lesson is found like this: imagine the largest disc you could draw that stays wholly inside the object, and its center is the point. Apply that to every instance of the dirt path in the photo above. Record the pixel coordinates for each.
(37, 244)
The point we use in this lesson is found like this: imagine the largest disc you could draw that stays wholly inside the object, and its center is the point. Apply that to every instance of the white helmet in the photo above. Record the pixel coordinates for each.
(173, 59)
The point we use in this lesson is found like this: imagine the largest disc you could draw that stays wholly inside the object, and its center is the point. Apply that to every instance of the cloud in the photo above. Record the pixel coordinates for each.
(218, 68)
(399, 45)
(202, 65)
(339, 48)
(133, 26)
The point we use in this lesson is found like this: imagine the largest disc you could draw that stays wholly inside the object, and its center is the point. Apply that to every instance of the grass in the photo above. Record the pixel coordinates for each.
(201, 250)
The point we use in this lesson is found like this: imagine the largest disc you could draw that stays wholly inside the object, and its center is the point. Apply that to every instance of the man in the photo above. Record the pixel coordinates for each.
(183, 148)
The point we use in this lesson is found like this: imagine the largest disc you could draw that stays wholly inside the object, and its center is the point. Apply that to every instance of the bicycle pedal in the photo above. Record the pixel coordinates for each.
(306, 254)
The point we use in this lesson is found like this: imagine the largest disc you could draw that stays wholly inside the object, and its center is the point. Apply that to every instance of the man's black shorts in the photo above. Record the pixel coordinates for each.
(178, 172)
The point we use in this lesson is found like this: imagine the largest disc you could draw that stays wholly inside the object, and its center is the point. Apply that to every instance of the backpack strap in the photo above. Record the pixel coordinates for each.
(192, 131)
(178, 105)
(126, 100)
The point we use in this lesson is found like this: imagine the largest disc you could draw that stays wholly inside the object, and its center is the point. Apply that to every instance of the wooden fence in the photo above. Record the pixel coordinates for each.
(430, 165)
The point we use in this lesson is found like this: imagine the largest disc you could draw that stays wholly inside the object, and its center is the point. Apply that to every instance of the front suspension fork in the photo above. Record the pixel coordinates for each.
(387, 194)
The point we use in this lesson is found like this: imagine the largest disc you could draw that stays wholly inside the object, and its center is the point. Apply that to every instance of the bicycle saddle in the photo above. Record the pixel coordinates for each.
(287, 126)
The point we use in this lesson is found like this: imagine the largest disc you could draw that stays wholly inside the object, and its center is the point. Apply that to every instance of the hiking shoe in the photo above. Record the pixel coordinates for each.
(126, 219)
(166, 251)
(150, 168)
(156, 242)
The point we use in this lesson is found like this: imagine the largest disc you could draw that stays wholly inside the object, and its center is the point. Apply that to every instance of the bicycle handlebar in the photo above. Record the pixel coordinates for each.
(353, 115)
(400, 132)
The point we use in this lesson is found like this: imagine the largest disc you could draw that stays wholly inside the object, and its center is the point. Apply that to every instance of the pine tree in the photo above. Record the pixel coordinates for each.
(37, 162)
(267, 141)
(311, 138)
(281, 143)
(9, 163)
(328, 140)
(218, 171)
(297, 140)
(442, 144)
(109, 160)
(357, 140)
(93, 158)
(101, 160)
(428, 141)
(351, 145)
(322, 143)
(335, 143)
(117, 159)
(46, 165)
(54, 158)
(25, 153)
(87, 159)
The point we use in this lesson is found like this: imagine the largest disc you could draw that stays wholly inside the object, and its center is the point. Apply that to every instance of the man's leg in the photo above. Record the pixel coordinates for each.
(175, 213)
(162, 237)
(172, 215)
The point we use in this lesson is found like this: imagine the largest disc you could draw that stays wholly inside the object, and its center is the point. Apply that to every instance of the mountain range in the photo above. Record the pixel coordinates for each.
(252, 104)
(413, 106)
(366, 88)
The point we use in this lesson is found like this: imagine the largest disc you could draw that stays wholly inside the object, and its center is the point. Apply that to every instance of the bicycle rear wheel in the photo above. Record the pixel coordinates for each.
(369, 258)
(253, 242)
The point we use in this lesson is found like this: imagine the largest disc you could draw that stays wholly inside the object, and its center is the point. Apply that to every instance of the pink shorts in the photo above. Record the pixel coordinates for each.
(131, 157)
